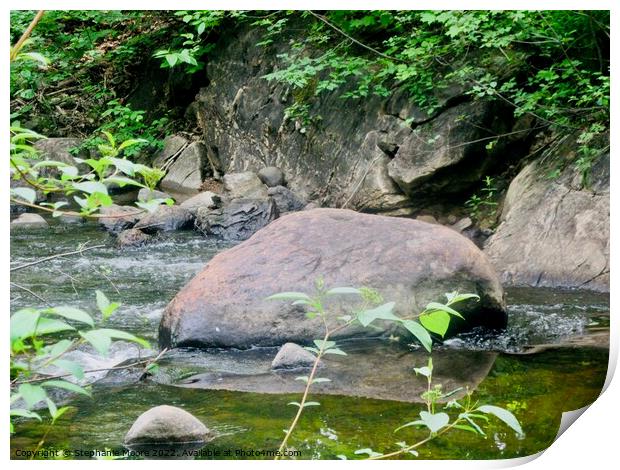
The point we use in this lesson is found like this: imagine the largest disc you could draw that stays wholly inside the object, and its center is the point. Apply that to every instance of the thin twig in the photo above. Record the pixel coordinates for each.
(80, 250)
(25, 289)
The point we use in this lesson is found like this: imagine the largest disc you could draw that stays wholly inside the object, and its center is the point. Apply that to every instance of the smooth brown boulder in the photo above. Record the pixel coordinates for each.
(407, 261)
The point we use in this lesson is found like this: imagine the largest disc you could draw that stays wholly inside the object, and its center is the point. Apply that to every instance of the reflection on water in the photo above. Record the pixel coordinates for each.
(220, 386)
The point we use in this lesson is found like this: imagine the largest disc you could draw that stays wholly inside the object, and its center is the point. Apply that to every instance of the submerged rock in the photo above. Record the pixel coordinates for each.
(132, 238)
(293, 356)
(407, 261)
(165, 219)
(164, 425)
(238, 220)
(29, 221)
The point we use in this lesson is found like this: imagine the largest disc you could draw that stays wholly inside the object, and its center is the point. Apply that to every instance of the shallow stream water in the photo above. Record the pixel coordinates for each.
(552, 358)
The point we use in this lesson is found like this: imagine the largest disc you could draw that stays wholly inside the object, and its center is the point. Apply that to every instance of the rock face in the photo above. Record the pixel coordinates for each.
(554, 233)
(165, 219)
(238, 220)
(118, 218)
(185, 175)
(379, 155)
(407, 261)
(29, 221)
(173, 145)
(292, 356)
(164, 425)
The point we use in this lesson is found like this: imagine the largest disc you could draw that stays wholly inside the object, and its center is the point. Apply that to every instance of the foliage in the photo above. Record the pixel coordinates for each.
(553, 65)
(89, 189)
(40, 340)
(435, 318)
(483, 203)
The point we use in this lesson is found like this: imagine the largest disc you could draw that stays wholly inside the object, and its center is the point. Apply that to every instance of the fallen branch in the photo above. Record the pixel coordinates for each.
(80, 250)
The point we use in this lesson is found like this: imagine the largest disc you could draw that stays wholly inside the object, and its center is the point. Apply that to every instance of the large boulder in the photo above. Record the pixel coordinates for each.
(407, 261)
(185, 175)
(173, 145)
(554, 233)
(238, 220)
(166, 425)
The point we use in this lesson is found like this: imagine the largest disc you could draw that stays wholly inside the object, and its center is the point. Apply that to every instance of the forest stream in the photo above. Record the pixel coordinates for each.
(551, 358)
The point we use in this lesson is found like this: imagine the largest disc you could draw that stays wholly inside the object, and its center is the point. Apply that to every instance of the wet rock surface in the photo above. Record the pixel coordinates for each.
(164, 425)
(407, 261)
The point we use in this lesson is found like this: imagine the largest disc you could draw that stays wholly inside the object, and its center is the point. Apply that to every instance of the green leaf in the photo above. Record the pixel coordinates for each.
(71, 367)
(71, 313)
(91, 187)
(324, 344)
(369, 452)
(27, 194)
(336, 351)
(504, 415)
(61, 411)
(106, 307)
(48, 326)
(343, 290)
(420, 333)
(465, 427)
(436, 322)
(22, 413)
(66, 386)
(289, 296)
(311, 403)
(23, 323)
(118, 334)
(382, 312)
(417, 422)
(60, 347)
(101, 343)
(425, 371)
(32, 394)
(319, 380)
(436, 306)
(303, 378)
(454, 297)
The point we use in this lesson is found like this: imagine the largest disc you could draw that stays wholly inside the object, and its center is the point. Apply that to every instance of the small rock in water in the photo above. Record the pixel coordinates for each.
(293, 356)
(166, 425)
(29, 220)
(272, 176)
(132, 237)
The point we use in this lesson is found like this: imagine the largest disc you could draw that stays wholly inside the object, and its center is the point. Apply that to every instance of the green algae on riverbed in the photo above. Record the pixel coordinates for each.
(538, 388)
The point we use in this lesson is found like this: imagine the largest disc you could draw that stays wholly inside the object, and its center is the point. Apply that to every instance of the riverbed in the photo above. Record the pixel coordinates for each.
(552, 358)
